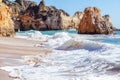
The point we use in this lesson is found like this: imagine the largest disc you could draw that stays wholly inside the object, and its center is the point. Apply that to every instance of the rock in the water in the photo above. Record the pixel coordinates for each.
(93, 23)
(6, 23)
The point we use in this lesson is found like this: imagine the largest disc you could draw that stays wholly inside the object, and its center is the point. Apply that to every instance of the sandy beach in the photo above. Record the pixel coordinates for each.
(11, 50)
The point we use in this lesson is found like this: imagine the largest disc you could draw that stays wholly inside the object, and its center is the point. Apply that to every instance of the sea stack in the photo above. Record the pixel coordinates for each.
(6, 23)
(93, 22)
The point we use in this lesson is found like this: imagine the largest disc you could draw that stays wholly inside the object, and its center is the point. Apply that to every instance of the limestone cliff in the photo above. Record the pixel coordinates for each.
(93, 22)
(6, 23)
(65, 22)
(44, 17)
(18, 7)
(28, 15)
(48, 18)
(76, 19)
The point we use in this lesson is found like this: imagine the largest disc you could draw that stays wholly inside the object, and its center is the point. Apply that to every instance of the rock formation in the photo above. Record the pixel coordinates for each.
(76, 19)
(0, 1)
(6, 23)
(42, 17)
(18, 7)
(107, 18)
(65, 20)
(28, 15)
(93, 23)
(20, 2)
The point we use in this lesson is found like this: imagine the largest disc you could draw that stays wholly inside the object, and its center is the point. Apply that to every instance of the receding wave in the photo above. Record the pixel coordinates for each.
(75, 45)
(81, 57)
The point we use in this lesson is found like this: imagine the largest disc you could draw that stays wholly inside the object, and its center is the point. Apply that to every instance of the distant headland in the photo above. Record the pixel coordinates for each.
(27, 15)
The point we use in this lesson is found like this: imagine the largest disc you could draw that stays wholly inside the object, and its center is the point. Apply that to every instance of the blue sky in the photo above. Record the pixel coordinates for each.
(110, 7)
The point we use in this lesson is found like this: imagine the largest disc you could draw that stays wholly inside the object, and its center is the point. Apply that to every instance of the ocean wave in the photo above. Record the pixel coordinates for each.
(57, 39)
(66, 65)
(73, 57)
(73, 44)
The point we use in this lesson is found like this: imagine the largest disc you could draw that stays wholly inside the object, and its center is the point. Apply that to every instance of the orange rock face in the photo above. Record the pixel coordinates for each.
(27, 22)
(6, 23)
(93, 23)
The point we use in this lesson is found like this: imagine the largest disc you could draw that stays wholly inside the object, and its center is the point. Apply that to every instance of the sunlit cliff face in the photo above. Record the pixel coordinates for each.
(6, 23)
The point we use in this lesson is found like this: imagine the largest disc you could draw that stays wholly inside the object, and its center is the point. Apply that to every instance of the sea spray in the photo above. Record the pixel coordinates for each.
(73, 57)
(67, 65)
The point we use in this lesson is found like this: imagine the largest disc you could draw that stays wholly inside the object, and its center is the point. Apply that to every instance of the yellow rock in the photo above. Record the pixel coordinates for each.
(66, 21)
(6, 23)
(0, 1)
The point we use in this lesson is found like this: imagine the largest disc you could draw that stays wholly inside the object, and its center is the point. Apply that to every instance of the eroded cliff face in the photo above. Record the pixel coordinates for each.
(48, 18)
(93, 22)
(28, 15)
(18, 7)
(76, 19)
(65, 21)
(6, 23)
(42, 17)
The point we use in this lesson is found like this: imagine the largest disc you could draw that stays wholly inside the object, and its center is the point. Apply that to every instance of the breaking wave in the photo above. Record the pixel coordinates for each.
(73, 57)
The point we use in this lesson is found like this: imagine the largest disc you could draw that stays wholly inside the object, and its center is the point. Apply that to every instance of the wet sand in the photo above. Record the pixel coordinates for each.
(11, 50)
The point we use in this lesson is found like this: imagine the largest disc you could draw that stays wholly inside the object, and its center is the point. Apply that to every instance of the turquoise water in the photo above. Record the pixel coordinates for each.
(52, 32)
(113, 40)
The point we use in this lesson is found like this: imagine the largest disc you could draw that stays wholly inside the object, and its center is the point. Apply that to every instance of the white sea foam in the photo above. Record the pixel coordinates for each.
(69, 65)
(73, 44)
(74, 57)
(57, 40)
(37, 35)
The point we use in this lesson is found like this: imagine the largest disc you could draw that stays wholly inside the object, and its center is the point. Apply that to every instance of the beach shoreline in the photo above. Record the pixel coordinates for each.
(11, 50)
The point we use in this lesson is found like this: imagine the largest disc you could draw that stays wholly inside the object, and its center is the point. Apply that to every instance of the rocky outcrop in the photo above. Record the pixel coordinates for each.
(20, 2)
(93, 23)
(57, 19)
(28, 15)
(76, 19)
(107, 18)
(6, 23)
(65, 20)
(18, 7)
(26, 23)
(42, 17)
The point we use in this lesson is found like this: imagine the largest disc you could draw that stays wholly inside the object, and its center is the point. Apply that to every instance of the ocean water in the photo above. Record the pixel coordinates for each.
(112, 39)
(51, 32)
(73, 57)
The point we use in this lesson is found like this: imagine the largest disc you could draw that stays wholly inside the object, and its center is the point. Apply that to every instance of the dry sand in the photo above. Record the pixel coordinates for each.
(11, 50)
